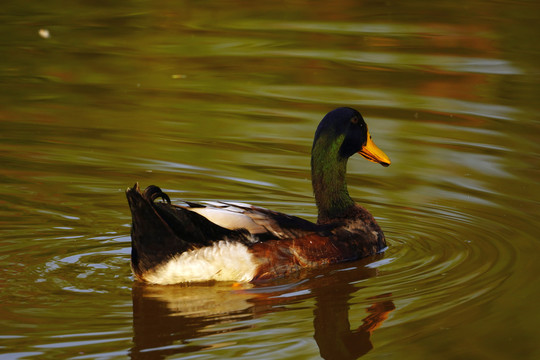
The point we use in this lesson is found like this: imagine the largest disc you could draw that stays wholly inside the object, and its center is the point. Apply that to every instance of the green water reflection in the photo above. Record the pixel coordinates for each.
(167, 320)
(219, 100)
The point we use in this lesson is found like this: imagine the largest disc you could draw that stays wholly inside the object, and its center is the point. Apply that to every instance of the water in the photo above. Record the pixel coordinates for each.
(220, 100)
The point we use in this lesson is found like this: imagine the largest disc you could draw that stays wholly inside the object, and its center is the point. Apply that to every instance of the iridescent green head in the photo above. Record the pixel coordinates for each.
(345, 127)
(340, 134)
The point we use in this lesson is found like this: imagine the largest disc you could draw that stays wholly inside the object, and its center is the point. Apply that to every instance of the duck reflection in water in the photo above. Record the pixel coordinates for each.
(167, 318)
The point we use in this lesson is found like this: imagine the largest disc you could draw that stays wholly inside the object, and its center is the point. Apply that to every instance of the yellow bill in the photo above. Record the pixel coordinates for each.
(371, 152)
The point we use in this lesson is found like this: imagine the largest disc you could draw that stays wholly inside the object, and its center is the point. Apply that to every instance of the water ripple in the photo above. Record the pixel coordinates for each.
(437, 272)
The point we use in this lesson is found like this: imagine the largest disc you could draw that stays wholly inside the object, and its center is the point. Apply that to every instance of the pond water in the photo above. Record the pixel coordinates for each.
(220, 100)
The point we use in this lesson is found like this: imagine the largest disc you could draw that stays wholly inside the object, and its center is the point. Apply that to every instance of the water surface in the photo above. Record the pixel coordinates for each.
(220, 100)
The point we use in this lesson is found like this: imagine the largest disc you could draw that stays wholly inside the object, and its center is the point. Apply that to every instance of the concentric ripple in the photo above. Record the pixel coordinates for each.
(430, 273)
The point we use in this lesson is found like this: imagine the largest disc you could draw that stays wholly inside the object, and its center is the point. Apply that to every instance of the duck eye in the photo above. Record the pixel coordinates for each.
(354, 120)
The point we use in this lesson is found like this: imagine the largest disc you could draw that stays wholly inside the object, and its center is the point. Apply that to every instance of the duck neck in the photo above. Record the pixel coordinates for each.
(328, 170)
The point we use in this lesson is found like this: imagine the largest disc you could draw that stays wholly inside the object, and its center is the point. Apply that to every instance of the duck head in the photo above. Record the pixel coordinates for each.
(345, 127)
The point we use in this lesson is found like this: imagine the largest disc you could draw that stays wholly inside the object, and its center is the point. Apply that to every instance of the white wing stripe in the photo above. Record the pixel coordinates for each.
(230, 219)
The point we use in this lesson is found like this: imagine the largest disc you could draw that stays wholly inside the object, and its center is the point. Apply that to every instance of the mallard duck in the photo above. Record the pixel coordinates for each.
(229, 241)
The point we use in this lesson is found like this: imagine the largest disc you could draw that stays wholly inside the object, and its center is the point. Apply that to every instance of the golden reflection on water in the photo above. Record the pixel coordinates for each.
(167, 319)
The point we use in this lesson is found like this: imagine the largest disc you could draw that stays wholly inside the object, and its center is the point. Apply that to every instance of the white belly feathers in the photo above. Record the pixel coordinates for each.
(223, 261)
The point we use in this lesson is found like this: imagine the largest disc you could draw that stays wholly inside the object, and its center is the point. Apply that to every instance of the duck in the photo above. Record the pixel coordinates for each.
(241, 243)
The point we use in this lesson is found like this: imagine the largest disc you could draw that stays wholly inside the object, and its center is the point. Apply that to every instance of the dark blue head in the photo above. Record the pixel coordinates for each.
(346, 128)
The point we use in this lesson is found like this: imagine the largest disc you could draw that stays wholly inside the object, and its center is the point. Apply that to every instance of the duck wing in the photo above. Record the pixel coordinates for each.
(261, 223)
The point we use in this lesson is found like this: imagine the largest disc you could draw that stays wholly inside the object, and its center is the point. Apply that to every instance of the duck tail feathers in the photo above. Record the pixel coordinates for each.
(160, 230)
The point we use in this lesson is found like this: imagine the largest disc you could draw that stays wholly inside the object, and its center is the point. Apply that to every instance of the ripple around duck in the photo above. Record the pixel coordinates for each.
(432, 273)
(84, 270)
